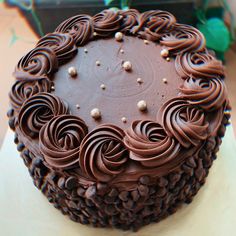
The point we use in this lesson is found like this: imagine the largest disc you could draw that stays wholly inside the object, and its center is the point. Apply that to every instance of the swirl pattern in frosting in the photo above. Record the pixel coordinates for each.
(21, 90)
(198, 65)
(38, 110)
(210, 94)
(153, 23)
(107, 22)
(80, 27)
(60, 139)
(183, 38)
(149, 144)
(103, 154)
(40, 62)
(184, 121)
(62, 44)
(130, 19)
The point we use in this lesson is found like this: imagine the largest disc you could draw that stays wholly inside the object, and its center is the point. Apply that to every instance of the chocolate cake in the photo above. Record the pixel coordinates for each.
(119, 116)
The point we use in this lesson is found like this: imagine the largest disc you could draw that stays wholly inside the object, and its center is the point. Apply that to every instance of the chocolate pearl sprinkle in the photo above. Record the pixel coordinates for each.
(123, 119)
(139, 80)
(127, 65)
(164, 52)
(118, 36)
(95, 113)
(103, 86)
(164, 80)
(142, 105)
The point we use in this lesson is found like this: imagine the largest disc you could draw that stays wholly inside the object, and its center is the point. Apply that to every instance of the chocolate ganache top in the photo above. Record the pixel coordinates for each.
(112, 97)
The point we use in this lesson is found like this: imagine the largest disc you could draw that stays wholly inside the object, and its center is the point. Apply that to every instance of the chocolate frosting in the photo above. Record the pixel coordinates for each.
(153, 23)
(62, 44)
(80, 27)
(184, 121)
(179, 95)
(21, 90)
(183, 38)
(107, 22)
(60, 139)
(198, 65)
(149, 144)
(38, 110)
(40, 62)
(210, 94)
(130, 19)
(103, 154)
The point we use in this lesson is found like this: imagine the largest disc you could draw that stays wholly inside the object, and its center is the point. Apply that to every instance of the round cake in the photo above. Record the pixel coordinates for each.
(119, 116)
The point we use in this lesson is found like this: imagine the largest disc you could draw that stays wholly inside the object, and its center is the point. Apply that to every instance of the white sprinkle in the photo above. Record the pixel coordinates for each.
(95, 113)
(127, 65)
(98, 63)
(86, 50)
(146, 41)
(103, 86)
(139, 80)
(118, 36)
(142, 105)
(72, 71)
(164, 52)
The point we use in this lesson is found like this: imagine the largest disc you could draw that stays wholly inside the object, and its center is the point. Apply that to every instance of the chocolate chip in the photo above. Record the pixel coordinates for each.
(143, 190)
(71, 183)
(72, 204)
(11, 123)
(200, 172)
(188, 170)
(16, 140)
(149, 201)
(90, 192)
(211, 142)
(162, 182)
(80, 191)
(124, 195)
(221, 131)
(102, 188)
(10, 112)
(128, 205)
(144, 180)
(174, 177)
(146, 211)
(135, 195)
(191, 162)
(161, 192)
(61, 182)
(113, 193)
(20, 147)
(37, 162)
(111, 210)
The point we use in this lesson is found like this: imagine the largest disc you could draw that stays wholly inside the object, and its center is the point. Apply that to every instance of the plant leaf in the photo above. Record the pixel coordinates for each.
(216, 33)
(108, 2)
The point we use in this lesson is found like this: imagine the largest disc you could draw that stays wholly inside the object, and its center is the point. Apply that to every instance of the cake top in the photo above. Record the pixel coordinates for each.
(118, 95)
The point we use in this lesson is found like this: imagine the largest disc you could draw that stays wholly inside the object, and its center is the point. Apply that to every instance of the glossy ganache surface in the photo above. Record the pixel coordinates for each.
(122, 91)
(126, 105)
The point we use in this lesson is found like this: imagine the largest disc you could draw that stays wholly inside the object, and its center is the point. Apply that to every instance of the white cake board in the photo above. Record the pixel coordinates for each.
(24, 211)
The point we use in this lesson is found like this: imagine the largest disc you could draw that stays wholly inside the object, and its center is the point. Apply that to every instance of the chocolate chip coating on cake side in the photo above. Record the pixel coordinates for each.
(119, 116)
